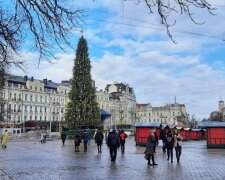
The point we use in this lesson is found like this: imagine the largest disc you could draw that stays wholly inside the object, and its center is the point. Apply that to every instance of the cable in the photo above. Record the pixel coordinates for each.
(158, 28)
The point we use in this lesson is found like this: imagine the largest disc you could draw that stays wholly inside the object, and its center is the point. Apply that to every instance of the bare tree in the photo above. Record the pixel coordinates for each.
(47, 23)
(165, 8)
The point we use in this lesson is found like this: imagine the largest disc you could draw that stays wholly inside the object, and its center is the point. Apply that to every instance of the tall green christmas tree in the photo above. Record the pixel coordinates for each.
(82, 110)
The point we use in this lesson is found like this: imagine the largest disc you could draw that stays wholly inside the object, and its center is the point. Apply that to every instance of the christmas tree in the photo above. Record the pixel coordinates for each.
(82, 110)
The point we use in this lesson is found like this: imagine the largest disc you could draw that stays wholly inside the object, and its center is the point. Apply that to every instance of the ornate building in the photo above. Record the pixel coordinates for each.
(167, 114)
(27, 99)
(118, 99)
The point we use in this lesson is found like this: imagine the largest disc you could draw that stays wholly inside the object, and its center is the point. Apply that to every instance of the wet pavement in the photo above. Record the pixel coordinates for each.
(26, 160)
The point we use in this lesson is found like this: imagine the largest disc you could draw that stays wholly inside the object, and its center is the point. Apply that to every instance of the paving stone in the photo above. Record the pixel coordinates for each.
(52, 161)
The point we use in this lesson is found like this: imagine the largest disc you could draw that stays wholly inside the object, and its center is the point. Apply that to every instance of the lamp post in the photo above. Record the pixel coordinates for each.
(121, 115)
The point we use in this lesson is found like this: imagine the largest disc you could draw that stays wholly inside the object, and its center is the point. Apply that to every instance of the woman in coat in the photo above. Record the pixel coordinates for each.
(149, 152)
(169, 145)
(5, 140)
(77, 141)
(98, 140)
(178, 144)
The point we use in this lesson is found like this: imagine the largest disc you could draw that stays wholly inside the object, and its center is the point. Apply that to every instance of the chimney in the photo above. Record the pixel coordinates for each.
(45, 81)
(32, 78)
(25, 78)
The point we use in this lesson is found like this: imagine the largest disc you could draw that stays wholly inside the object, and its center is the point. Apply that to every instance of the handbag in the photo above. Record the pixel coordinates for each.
(146, 156)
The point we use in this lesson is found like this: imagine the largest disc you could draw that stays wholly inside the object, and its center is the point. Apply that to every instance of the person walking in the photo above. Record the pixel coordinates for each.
(63, 137)
(99, 139)
(43, 137)
(156, 141)
(85, 138)
(77, 141)
(113, 143)
(169, 145)
(4, 141)
(178, 144)
(163, 138)
(123, 137)
(149, 152)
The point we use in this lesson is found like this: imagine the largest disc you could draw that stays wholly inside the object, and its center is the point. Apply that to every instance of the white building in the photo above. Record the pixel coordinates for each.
(31, 99)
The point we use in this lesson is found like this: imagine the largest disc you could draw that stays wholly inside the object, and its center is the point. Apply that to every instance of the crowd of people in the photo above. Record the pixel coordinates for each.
(115, 140)
(170, 140)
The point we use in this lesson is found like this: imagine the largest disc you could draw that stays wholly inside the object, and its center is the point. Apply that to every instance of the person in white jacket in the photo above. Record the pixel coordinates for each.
(178, 144)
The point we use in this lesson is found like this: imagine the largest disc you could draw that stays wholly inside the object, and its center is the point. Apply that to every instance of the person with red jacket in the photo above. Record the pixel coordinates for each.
(123, 137)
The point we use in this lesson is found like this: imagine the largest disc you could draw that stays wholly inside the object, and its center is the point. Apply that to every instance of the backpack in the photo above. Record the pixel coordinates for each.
(98, 137)
(123, 136)
(114, 140)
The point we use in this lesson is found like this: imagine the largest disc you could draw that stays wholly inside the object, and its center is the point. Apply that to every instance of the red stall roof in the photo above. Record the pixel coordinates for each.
(147, 124)
(206, 124)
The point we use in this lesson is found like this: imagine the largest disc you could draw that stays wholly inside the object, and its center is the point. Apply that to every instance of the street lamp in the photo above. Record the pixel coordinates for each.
(121, 115)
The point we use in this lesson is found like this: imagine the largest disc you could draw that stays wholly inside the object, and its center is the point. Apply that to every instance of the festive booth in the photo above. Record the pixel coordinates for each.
(215, 133)
(196, 134)
(185, 133)
(142, 131)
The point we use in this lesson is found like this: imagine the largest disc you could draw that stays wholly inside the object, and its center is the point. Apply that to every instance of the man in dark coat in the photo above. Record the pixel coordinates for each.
(63, 137)
(85, 138)
(113, 143)
(98, 140)
(163, 138)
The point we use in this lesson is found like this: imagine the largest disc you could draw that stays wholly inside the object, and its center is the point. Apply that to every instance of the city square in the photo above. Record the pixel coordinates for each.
(24, 160)
(79, 79)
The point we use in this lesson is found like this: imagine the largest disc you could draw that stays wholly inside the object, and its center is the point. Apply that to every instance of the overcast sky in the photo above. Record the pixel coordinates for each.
(127, 44)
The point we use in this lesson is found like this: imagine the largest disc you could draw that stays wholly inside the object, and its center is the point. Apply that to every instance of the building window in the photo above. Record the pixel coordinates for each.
(30, 108)
(35, 118)
(40, 98)
(40, 88)
(10, 107)
(45, 109)
(40, 109)
(31, 98)
(36, 109)
(14, 108)
(25, 118)
(19, 97)
(36, 98)
(40, 118)
(15, 96)
(30, 118)
(45, 118)
(25, 97)
(26, 108)
(45, 98)
(35, 88)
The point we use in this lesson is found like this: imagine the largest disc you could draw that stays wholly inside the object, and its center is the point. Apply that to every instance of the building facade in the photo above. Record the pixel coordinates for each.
(119, 99)
(27, 99)
(168, 114)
